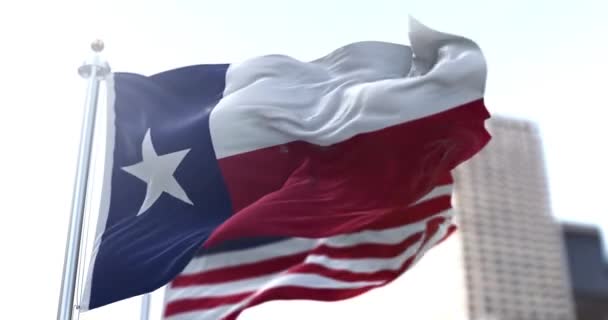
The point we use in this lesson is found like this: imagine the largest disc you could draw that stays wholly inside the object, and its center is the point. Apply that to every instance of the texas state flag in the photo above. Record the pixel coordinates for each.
(274, 147)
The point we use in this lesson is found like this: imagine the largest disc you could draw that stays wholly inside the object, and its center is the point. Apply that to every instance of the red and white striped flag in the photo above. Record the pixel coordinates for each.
(222, 285)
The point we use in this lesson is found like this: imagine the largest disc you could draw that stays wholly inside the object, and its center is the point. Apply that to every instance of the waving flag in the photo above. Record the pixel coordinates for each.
(231, 160)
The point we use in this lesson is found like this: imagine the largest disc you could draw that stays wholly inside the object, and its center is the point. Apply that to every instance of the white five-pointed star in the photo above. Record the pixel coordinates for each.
(157, 172)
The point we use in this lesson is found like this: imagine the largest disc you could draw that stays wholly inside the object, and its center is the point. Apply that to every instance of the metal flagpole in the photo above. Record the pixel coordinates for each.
(145, 306)
(95, 69)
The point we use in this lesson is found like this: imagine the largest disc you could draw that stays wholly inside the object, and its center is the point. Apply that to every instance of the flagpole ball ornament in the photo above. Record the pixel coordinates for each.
(97, 45)
(95, 62)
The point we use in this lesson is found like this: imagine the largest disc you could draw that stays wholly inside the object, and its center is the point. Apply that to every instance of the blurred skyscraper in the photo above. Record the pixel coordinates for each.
(512, 251)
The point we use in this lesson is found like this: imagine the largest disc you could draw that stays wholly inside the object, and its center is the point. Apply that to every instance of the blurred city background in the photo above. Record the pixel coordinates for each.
(516, 260)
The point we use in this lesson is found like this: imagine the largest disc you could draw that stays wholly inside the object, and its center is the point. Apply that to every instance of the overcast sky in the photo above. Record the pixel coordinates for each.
(547, 63)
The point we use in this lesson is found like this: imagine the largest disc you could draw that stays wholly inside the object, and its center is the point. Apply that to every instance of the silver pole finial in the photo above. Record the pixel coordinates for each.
(97, 45)
(102, 68)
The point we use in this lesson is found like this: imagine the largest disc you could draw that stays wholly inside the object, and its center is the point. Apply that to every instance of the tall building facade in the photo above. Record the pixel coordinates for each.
(513, 255)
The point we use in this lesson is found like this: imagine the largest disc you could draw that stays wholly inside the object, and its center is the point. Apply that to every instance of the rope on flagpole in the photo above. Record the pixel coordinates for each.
(94, 70)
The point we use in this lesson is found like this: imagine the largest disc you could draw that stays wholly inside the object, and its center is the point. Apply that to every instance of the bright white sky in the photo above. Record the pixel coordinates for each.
(547, 63)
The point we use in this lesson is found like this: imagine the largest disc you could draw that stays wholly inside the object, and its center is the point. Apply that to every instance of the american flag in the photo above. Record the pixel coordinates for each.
(221, 285)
